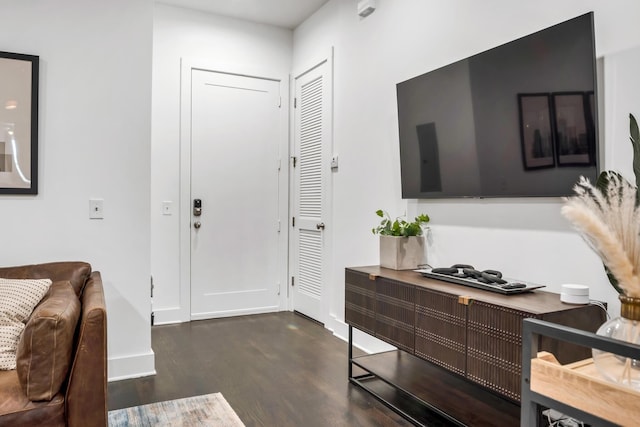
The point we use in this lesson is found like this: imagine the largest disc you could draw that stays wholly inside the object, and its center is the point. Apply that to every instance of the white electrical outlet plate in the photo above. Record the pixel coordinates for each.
(96, 209)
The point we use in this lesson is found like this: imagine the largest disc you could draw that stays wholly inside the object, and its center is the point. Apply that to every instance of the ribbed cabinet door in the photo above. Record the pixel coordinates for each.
(395, 313)
(494, 347)
(360, 301)
(441, 329)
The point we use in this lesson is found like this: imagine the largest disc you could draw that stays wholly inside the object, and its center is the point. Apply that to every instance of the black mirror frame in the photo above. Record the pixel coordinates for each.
(33, 123)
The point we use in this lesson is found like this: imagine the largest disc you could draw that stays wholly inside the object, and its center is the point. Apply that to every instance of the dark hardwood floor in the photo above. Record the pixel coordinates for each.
(278, 369)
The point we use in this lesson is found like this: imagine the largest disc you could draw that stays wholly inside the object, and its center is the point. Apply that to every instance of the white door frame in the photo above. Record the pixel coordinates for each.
(327, 289)
(185, 215)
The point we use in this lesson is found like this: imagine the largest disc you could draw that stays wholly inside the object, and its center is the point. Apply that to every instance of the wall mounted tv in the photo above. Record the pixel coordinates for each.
(519, 120)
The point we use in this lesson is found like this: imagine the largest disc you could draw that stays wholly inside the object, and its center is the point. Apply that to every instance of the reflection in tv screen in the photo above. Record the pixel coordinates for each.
(518, 120)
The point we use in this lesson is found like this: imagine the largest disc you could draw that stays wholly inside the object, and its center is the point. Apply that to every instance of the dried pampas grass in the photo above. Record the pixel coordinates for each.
(608, 218)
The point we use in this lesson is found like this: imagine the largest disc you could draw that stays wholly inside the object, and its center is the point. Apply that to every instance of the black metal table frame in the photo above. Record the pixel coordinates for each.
(360, 381)
(532, 401)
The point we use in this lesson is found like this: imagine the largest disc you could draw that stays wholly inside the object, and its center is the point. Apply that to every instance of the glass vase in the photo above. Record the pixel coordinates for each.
(626, 327)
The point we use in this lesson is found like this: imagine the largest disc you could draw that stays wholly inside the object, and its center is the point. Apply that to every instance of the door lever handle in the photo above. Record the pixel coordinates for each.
(320, 226)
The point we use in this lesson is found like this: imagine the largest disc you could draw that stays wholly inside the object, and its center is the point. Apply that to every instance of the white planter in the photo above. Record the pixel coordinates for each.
(402, 253)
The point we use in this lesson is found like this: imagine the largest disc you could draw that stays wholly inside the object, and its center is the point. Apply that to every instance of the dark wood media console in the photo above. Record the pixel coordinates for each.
(471, 338)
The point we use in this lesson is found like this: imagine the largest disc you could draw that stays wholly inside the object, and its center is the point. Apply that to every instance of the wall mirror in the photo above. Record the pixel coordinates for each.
(18, 123)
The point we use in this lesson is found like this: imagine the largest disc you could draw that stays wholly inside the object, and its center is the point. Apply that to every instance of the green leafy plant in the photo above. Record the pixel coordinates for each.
(399, 226)
(607, 215)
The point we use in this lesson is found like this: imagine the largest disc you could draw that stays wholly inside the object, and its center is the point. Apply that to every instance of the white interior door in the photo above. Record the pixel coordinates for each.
(312, 150)
(234, 172)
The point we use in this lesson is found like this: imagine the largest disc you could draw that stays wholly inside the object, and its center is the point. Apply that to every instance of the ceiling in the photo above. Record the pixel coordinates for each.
(281, 13)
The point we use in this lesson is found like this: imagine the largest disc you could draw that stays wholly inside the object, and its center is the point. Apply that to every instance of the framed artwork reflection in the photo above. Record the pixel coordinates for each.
(18, 123)
(574, 132)
(536, 133)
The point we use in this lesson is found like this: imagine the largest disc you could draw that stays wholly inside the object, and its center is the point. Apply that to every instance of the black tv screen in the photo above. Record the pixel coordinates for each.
(519, 120)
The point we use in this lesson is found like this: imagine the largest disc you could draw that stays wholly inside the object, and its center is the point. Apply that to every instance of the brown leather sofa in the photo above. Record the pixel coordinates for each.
(61, 374)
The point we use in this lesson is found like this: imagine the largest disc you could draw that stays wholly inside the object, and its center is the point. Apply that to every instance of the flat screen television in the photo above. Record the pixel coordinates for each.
(518, 120)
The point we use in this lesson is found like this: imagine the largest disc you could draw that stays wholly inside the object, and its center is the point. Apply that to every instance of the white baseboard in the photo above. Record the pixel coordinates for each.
(361, 340)
(338, 327)
(167, 316)
(133, 366)
(231, 313)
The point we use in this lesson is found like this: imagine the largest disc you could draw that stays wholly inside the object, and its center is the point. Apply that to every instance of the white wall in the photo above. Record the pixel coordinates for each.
(525, 238)
(94, 138)
(231, 44)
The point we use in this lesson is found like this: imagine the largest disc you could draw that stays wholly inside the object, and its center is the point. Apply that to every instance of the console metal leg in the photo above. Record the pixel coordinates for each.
(350, 352)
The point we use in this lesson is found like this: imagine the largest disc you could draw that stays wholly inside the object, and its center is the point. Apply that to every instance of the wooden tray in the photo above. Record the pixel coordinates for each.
(580, 385)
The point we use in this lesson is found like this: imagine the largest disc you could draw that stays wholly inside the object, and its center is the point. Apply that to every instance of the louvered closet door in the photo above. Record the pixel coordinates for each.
(312, 146)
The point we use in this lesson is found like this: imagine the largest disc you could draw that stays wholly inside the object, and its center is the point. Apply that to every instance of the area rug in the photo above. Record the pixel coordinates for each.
(206, 410)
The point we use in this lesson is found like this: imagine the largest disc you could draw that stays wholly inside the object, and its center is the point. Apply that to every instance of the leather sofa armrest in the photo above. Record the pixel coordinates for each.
(86, 399)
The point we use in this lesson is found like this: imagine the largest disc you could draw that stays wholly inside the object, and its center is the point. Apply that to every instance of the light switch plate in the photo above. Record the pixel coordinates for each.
(334, 162)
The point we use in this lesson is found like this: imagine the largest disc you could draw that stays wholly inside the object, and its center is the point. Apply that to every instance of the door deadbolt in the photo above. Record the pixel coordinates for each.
(197, 208)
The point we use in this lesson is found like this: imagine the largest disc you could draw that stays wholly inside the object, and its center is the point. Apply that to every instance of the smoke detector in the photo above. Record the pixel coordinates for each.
(366, 7)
